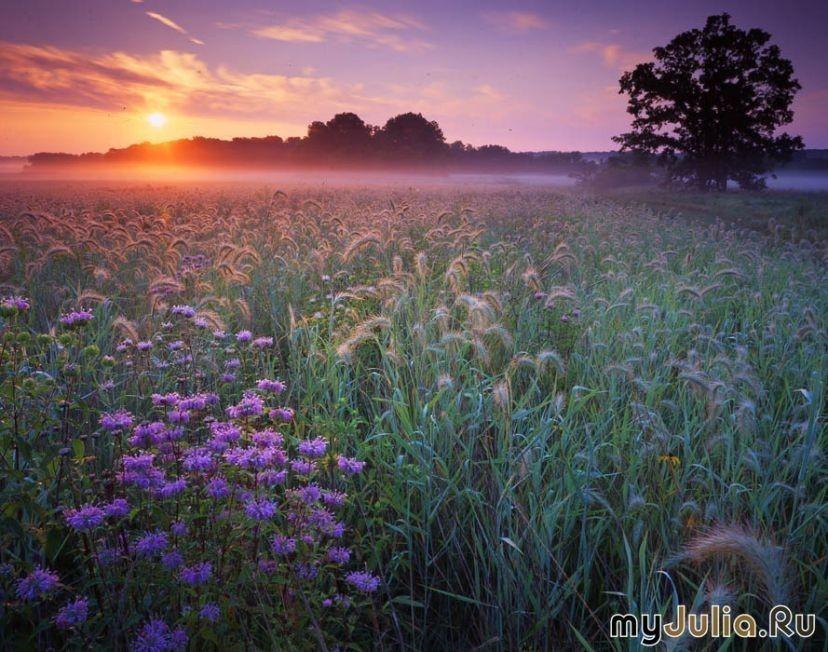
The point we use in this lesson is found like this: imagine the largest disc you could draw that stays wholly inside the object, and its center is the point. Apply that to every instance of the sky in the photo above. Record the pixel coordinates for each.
(80, 76)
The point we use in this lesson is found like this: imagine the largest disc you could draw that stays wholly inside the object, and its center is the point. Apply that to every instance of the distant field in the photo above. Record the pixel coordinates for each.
(788, 214)
(568, 406)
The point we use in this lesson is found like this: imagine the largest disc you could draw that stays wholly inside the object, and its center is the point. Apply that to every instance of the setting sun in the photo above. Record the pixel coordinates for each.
(157, 120)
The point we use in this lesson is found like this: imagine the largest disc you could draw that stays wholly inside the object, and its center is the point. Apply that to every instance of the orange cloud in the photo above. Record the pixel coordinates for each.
(169, 80)
(613, 55)
(173, 25)
(515, 21)
(366, 27)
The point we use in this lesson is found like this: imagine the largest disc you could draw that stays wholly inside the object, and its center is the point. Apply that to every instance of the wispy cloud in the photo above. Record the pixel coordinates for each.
(173, 25)
(613, 55)
(176, 81)
(366, 27)
(515, 22)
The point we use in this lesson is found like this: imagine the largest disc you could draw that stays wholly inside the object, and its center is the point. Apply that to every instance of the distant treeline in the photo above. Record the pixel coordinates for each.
(345, 141)
(808, 159)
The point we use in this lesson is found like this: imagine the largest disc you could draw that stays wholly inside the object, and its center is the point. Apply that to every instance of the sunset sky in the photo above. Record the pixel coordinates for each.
(87, 75)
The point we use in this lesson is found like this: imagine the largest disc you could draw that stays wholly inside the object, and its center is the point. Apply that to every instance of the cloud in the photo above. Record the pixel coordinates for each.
(173, 25)
(366, 27)
(613, 55)
(169, 80)
(515, 22)
(490, 92)
(456, 105)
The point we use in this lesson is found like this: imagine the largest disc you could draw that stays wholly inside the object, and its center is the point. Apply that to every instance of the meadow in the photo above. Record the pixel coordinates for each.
(246, 417)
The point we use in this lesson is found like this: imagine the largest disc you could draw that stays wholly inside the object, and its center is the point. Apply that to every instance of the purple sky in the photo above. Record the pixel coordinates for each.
(79, 76)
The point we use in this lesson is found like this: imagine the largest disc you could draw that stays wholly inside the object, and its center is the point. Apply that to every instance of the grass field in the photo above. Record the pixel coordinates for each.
(568, 406)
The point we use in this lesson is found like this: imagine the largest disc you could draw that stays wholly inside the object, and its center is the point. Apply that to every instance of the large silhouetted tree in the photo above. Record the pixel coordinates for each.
(710, 105)
(349, 128)
(410, 136)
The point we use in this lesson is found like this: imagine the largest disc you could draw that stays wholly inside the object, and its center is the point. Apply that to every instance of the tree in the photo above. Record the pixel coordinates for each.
(710, 104)
(411, 136)
(350, 137)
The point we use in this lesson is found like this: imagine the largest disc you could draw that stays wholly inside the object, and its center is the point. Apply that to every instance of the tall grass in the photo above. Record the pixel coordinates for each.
(570, 407)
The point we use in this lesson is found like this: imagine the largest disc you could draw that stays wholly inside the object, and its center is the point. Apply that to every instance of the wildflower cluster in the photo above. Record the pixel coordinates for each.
(207, 501)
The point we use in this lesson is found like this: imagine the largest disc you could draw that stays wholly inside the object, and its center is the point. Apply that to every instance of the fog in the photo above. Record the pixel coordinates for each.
(809, 181)
(14, 171)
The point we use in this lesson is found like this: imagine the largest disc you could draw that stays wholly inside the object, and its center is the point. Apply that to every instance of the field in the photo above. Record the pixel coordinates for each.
(544, 408)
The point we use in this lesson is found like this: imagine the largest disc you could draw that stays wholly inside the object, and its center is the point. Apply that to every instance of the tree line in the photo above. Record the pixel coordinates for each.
(408, 140)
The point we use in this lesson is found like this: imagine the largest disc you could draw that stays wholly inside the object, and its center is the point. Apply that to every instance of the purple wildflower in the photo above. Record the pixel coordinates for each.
(172, 559)
(271, 477)
(116, 421)
(172, 488)
(282, 545)
(13, 304)
(281, 414)
(197, 574)
(210, 612)
(107, 556)
(250, 405)
(178, 639)
(363, 581)
(178, 416)
(156, 636)
(76, 318)
(118, 508)
(260, 510)
(151, 544)
(85, 518)
(225, 432)
(72, 614)
(188, 312)
(146, 435)
(198, 459)
(267, 437)
(305, 571)
(195, 402)
(303, 467)
(313, 447)
(268, 566)
(37, 584)
(244, 336)
(138, 463)
(350, 465)
(338, 555)
(334, 498)
(272, 386)
(165, 399)
(309, 494)
(263, 342)
(218, 488)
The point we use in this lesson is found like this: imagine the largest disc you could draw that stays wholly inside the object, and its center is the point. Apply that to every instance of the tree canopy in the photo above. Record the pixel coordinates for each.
(710, 105)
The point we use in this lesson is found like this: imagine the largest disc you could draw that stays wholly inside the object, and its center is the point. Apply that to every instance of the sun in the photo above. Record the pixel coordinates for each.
(157, 120)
